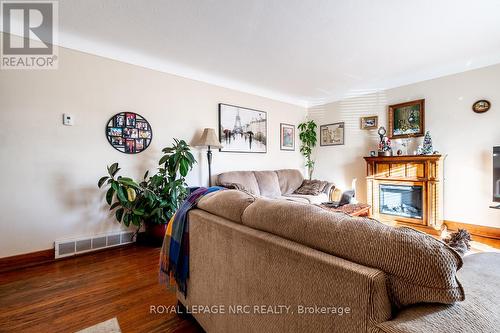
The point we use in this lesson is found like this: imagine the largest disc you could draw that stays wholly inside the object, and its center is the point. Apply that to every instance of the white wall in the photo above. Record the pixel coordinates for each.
(50, 171)
(466, 137)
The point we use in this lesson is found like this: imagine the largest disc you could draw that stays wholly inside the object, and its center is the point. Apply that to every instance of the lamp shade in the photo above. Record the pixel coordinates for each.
(209, 138)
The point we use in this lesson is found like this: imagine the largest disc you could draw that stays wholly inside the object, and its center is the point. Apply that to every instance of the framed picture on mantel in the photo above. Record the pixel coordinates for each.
(407, 120)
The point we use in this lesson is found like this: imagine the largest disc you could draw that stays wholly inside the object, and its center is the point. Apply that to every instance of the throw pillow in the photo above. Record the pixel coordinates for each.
(323, 185)
(311, 187)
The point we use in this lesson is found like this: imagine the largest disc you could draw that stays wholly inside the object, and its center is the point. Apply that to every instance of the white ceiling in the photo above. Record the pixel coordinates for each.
(301, 51)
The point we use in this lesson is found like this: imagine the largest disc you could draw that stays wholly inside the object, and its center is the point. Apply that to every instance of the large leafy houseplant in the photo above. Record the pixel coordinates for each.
(308, 138)
(154, 200)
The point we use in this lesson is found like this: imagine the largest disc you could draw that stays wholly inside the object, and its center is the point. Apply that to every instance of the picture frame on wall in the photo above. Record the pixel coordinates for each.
(287, 137)
(242, 130)
(369, 123)
(407, 120)
(129, 132)
(332, 134)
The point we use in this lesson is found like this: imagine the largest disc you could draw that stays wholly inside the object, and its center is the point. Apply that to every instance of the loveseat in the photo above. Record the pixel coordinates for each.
(279, 184)
(263, 265)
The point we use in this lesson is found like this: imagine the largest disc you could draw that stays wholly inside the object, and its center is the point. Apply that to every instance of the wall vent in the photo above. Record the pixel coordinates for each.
(66, 248)
(98, 242)
(113, 240)
(83, 245)
(127, 237)
(74, 246)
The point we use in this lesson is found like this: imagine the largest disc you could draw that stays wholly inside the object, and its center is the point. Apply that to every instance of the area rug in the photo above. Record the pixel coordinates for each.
(108, 326)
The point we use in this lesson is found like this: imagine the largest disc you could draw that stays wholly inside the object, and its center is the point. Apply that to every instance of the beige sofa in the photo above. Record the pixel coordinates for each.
(279, 184)
(261, 265)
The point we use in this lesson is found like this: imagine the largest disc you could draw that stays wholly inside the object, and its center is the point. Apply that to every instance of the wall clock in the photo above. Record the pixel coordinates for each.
(129, 132)
(481, 106)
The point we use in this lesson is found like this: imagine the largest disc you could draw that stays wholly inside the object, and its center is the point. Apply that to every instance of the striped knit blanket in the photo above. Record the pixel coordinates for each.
(174, 255)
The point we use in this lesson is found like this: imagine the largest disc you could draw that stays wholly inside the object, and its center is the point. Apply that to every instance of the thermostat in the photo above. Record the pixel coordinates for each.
(68, 119)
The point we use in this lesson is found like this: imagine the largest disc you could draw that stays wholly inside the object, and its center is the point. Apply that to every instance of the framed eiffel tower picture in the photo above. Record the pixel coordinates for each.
(242, 130)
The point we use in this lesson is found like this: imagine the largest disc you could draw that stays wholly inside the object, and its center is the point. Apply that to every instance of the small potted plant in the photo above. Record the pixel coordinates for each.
(154, 200)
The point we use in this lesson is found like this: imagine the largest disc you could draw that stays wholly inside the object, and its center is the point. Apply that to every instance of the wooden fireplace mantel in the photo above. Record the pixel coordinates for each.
(422, 170)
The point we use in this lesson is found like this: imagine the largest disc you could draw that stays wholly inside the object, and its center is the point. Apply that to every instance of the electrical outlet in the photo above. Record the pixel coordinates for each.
(68, 119)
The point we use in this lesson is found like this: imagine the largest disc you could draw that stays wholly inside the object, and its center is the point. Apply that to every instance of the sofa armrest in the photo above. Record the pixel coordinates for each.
(335, 194)
(331, 190)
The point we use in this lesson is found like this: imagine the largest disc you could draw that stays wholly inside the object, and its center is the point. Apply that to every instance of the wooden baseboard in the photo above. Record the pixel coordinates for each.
(42, 257)
(25, 260)
(474, 230)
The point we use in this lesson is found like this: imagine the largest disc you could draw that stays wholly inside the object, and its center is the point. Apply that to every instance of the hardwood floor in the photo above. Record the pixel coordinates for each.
(72, 294)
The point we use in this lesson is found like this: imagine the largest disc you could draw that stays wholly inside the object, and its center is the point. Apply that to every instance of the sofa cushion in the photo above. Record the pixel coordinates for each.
(480, 312)
(268, 183)
(419, 267)
(312, 199)
(243, 178)
(228, 204)
(289, 180)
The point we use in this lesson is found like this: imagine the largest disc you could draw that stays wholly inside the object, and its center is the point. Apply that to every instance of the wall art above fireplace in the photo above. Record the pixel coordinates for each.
(407, 120)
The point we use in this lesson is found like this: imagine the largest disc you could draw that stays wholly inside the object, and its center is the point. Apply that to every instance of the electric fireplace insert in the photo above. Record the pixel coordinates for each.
(401, 200)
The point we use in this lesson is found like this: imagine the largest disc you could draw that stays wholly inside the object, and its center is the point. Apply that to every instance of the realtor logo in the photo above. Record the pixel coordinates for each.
(29, 34)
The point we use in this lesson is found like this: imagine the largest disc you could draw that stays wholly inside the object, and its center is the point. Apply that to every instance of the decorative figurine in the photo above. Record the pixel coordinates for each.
(426, 147)
(382, 132)
(384, 146)
(405, 143)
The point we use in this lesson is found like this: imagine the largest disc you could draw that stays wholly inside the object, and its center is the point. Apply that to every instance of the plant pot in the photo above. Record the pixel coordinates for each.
(155, 233)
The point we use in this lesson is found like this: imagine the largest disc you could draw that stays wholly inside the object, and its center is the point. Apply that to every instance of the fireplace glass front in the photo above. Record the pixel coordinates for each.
(401, 200)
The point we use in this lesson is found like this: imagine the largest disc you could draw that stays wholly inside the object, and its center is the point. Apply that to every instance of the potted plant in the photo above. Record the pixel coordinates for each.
(169, 184)
(308, 138)
(154, 200)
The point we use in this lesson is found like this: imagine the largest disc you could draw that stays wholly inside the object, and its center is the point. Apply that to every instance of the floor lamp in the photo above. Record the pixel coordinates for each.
(209, 139)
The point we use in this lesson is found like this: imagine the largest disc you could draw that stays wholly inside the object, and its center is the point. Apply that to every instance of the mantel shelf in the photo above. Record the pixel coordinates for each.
(405, 158)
